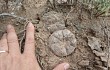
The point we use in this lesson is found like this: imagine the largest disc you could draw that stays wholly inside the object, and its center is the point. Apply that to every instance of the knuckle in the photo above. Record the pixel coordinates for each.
(16, 57)
(12, 41)
(30, 40)
(12, 37)
(3, 45)
(3, 41)
(12, 34)
(28, 56)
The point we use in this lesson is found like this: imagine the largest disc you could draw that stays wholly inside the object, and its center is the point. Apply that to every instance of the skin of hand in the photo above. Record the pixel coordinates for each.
(13, 59)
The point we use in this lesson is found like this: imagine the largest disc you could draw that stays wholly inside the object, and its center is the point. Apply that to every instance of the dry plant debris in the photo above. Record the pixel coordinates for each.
(62, 2)
(12, 15)
(95, 45)
(62, 42)
(102, 68)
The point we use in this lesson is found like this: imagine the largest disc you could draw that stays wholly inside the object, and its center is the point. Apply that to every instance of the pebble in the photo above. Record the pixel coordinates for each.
(84, 63)
(94, 44)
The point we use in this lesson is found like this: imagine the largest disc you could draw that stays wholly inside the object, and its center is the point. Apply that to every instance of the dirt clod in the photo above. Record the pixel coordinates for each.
(55, 27)
(84, 63)
(94, 43)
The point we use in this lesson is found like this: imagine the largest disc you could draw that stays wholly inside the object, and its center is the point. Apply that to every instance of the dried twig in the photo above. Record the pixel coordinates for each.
(18, 17)
(12, 15)
(23, 37)
(101, 67)
(108, 47)
(69, 13)
(21, 31)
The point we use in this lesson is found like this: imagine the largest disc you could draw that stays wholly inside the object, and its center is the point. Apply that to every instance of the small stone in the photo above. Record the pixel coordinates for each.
(101, 54)
(94, 44)
(62, 42)
(84, 63)
(105, 59)
(97, 62)
(97, 58)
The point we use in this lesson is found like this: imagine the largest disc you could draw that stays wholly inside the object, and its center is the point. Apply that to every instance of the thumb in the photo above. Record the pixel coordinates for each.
(63, 66)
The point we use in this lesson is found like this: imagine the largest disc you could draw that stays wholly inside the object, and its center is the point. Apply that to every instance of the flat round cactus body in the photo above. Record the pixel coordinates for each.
(62, 42)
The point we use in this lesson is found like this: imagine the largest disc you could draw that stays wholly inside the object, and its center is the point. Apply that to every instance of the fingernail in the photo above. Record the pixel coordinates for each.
(66, 66)
(30, 24)
(9, 26)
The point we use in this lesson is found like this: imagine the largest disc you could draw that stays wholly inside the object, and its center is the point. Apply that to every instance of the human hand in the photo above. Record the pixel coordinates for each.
(13, 59)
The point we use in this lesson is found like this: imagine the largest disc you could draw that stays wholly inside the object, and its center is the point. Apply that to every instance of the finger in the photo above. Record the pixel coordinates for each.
(12, 40)
(29, 43)
(4, 45)
(63, 66)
